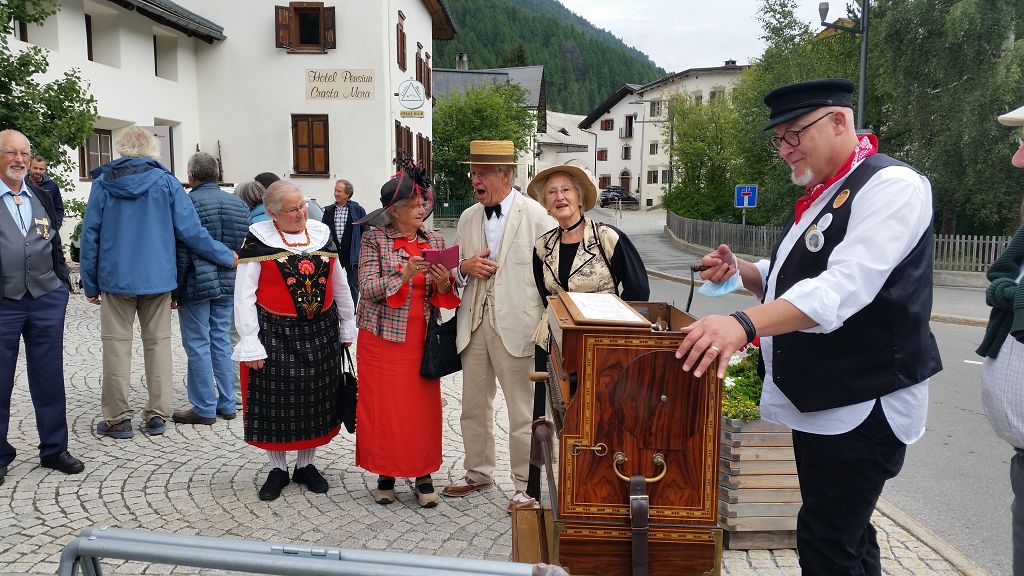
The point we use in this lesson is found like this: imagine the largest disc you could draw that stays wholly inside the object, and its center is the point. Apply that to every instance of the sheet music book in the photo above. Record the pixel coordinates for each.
(589, 308)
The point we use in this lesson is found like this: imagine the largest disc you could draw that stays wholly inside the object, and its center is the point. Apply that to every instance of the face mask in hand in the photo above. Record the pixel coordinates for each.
(732, 284)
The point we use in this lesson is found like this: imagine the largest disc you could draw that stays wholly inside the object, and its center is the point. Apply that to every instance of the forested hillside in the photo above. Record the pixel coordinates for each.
(582, 64)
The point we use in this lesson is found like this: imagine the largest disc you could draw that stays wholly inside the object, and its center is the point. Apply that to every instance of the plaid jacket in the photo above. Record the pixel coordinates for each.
(380, 277)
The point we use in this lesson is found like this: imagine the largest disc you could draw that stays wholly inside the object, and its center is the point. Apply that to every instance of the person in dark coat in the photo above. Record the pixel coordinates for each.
(37, 177)
(205, 297)
(33, 303)
(348, 237)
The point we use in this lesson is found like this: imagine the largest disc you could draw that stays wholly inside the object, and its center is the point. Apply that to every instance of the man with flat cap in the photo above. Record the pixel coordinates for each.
(846, 298)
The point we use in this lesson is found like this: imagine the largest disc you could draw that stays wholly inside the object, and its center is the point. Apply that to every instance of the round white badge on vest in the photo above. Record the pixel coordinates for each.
(814, 240)
(825, 222)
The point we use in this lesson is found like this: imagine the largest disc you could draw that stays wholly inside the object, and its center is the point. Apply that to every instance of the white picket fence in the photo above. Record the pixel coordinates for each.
(956, 253)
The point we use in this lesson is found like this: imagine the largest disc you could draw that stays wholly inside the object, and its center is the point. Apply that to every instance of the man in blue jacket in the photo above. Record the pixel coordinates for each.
(348, 237)
(136, 212)
(205, 296)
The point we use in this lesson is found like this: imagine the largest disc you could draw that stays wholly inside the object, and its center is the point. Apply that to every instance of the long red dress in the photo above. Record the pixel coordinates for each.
(398, 415)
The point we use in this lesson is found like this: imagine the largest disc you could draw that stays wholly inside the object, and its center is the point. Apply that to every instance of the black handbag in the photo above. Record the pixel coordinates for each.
(440, 356)
(347, 392)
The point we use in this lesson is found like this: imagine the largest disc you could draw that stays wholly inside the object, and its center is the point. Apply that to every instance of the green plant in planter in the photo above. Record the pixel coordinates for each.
(743, 388)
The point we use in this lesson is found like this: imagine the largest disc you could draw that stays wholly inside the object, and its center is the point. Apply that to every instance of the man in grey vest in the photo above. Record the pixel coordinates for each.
(33, 304)
(847, 295)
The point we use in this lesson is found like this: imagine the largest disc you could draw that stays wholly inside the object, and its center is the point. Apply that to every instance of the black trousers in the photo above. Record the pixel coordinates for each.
(841, 478)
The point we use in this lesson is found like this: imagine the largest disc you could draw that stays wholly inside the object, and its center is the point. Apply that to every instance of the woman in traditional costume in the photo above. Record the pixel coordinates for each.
(293, 313)
(399, 411)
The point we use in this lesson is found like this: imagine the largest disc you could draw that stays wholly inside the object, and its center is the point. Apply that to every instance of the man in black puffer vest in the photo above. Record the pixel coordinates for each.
(205, 297)
(843, 327)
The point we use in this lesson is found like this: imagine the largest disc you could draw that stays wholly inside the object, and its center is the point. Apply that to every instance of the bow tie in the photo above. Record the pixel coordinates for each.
(495, 210)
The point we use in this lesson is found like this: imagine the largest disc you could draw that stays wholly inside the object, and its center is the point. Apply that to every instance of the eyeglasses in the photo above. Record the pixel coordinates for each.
(294, 211)
(792, 137)
(480, 174)
(565, 190)
(16, 154)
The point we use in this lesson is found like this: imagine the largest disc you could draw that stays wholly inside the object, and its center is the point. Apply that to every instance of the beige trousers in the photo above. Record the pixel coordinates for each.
(117, 319)
(483, 359)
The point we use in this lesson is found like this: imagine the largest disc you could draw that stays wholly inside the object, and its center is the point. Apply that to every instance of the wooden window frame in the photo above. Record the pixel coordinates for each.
(404, 143)
(604, 182)
(608, 124)
(103, 156)
(602, 154)
(428, 75)
(627, 152)
(307, 152)
(400, 40)
(286, 27)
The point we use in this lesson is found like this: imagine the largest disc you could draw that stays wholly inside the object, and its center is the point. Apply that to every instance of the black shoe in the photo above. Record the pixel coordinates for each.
(276, 481)
(311, 477)
(63, 462)
(190, 417)
(3, 473)
(228, 415)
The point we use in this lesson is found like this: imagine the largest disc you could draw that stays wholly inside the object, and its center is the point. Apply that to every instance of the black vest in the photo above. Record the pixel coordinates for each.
(884, 347)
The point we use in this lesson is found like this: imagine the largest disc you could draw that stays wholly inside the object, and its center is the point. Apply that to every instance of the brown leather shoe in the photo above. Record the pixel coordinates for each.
(464, 486)
(190, 417)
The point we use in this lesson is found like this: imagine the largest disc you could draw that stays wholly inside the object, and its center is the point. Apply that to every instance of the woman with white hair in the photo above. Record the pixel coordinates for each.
(137, 211)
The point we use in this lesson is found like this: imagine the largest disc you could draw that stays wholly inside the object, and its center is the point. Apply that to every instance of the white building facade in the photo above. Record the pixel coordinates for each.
(617, 135)
(312, 91)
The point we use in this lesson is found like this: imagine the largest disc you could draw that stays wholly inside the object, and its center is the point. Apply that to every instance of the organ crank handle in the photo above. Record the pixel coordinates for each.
(659, 460)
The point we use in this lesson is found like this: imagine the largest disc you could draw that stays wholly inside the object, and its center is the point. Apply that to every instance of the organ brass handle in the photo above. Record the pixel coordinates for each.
(600, 449)
(659, 460)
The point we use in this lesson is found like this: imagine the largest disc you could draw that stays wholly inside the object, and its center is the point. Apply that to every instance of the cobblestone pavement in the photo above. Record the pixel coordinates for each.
(203, 480)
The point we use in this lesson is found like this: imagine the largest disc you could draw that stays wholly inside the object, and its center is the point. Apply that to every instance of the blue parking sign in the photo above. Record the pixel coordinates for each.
(746, 195)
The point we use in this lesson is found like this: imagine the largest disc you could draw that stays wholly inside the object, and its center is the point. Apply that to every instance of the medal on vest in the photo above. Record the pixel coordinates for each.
(814, 239)
(841, 198)
(42, 227)
(824, 222)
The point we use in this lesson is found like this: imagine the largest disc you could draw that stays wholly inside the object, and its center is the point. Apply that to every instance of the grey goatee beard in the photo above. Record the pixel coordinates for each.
(804, 180)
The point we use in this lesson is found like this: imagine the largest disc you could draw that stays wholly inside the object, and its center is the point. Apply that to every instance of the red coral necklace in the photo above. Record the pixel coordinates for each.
(292, 244)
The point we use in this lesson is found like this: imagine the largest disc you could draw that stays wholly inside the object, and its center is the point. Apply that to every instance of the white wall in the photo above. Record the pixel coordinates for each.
(615, 165)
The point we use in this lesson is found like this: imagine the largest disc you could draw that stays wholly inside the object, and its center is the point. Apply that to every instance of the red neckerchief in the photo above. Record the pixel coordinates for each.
(401, 243)
(867, 146)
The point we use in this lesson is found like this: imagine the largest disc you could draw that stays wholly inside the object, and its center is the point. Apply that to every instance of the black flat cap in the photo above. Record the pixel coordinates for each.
(794, 100)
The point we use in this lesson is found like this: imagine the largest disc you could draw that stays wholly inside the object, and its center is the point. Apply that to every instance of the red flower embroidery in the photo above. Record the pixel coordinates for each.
(291, 280)
(306, 267)
(323, 280)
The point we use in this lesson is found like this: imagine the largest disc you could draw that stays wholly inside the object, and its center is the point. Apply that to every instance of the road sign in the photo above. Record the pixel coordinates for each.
(746, 195)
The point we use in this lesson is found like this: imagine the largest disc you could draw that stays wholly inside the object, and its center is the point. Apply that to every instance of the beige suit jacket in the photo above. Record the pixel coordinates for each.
(517, 305)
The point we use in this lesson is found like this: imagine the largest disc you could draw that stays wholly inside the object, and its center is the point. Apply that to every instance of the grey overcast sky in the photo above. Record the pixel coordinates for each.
(681, 34)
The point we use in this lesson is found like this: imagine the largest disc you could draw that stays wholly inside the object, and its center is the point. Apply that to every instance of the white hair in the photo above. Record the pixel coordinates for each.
(135, 142)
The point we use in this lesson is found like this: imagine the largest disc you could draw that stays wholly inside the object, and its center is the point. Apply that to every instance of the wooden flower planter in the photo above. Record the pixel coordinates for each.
(759, 494)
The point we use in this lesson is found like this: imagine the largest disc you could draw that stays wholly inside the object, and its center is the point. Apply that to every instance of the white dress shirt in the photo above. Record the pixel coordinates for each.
(494, 229)
(24, 219)
(888, 217)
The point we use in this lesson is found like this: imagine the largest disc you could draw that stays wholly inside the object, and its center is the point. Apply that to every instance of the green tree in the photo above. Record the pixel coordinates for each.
(56, 116)
(494, 112)
(945, 70)
(514, 56)
(704, 158)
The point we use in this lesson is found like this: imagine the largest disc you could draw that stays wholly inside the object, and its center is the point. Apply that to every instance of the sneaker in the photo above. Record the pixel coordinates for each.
(309, 476)
(119, 430)
(155, 426)
(385, 492)
(425, 493)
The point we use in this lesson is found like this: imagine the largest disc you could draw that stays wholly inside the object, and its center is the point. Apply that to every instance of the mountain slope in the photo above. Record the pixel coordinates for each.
(582, 64)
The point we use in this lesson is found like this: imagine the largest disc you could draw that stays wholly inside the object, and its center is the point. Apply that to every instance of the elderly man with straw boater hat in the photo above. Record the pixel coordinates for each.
(844, 329)
(500, 309)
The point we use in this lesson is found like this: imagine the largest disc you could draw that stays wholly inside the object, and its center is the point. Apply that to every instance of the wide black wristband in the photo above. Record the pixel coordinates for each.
(746, 323)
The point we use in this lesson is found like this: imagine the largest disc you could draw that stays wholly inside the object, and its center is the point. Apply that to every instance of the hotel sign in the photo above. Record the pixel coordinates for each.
(340, 84)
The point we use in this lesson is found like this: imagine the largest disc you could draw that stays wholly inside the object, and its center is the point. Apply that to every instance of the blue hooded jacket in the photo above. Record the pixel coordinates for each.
(136, 211)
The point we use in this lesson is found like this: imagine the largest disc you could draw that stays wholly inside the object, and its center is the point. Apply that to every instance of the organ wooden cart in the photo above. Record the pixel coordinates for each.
(637, 446)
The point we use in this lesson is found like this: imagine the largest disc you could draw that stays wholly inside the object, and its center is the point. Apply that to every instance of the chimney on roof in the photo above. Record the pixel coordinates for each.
(730, 62)
(462, 61)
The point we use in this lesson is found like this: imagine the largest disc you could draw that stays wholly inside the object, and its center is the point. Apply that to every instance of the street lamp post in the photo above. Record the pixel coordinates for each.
(863, 31)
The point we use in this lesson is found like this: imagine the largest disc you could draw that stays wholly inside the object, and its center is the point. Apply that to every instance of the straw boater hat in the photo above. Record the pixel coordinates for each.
(492, 152)
(588, 192)
(1013, 117)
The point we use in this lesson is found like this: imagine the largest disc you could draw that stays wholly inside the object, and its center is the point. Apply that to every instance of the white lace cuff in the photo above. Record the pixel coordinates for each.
(348, 330)
(249, 348)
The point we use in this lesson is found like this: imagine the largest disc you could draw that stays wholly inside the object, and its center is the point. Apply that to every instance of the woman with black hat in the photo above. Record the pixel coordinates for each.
(399, 412)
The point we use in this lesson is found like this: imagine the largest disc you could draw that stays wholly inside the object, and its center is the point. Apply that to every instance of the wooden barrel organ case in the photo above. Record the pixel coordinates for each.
(637, 487)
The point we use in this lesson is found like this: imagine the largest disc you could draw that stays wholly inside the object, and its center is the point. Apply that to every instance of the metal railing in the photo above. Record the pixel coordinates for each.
(955, 253)
(253, 556)
(452, 209)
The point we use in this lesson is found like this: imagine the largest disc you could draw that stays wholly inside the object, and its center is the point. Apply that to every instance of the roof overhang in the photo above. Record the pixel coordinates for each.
(174, 16)
(441, 18)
